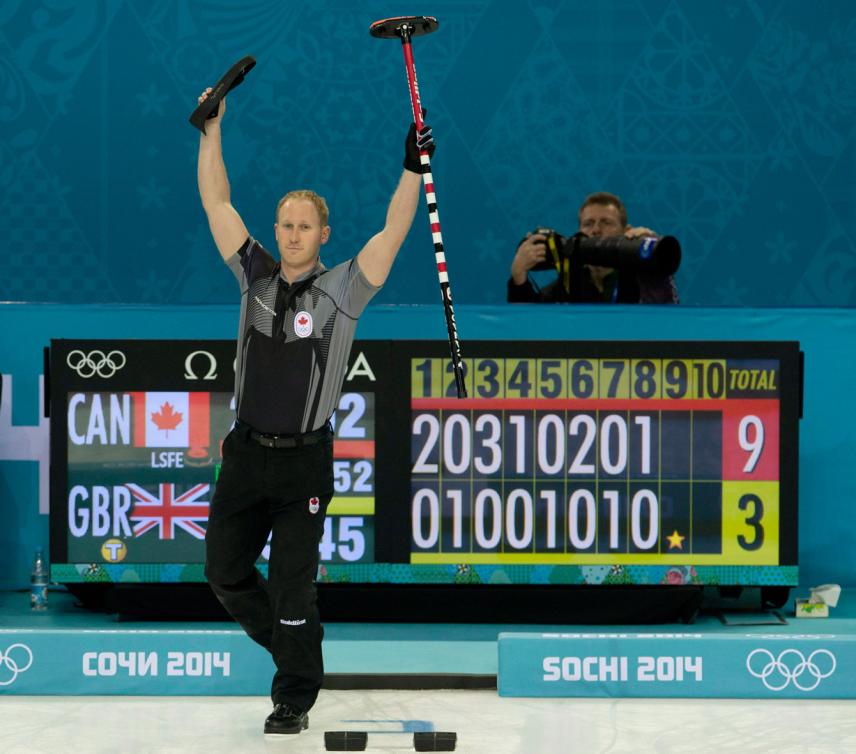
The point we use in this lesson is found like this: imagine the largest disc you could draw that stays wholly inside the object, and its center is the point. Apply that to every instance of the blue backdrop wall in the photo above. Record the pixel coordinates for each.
(729, 124)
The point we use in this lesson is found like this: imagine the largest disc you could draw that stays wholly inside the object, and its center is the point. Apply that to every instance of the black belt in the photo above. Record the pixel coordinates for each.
(286, 441)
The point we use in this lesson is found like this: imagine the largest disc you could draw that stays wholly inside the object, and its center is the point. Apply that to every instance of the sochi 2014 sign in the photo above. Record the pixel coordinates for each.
(677, 665)
(147, 662)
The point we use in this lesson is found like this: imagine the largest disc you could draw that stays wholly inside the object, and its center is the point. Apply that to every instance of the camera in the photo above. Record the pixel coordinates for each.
(648, 255)
(554, 244)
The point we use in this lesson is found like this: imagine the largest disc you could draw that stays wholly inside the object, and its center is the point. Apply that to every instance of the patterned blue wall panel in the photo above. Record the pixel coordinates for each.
(730, 125)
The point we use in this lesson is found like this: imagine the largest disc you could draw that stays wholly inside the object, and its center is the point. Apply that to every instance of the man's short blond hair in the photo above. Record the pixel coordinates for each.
(606, 199)
(318, 201)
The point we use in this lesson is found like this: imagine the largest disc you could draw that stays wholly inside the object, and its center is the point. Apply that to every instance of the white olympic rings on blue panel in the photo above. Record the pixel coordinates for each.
(15, 662)
(790, 666)
(95, 362)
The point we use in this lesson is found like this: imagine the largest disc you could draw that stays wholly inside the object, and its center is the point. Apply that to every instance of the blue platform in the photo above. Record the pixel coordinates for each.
(734, 654)
(703, 663)
(72, 651)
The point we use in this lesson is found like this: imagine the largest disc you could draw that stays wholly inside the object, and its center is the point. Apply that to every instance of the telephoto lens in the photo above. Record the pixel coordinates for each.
(648, 255)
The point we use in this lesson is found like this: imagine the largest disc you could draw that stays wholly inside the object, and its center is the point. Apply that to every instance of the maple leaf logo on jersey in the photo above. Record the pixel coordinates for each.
(167, 417)
(303, 324)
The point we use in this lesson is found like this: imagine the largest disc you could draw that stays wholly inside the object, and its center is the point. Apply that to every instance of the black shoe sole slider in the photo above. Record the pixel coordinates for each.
(211, 105)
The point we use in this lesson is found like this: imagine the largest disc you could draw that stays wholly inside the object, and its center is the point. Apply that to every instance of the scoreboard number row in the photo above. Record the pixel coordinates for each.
(517, 524)
(575, 443)
(448, 524)
(586, 378)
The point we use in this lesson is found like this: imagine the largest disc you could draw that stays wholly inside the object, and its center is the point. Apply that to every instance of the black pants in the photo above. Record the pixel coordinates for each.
(284, 491)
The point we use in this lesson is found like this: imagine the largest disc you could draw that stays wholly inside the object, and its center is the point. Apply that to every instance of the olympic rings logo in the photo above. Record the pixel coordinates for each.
(790, 666)
(95, 362)
(15, 662)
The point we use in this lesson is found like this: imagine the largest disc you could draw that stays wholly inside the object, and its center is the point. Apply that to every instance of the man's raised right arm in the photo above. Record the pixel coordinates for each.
(226, 226)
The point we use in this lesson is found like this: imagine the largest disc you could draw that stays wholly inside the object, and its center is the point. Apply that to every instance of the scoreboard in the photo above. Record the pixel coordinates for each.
(597, 460)
(136, 435)
(570, 462)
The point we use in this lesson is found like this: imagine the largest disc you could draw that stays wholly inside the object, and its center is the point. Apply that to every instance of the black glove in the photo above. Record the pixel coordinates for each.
(414, 143)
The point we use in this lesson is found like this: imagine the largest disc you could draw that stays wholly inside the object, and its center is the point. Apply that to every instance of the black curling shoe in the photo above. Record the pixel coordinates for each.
(286, 718)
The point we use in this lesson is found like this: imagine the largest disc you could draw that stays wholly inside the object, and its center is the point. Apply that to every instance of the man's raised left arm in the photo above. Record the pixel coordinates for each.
(379, 253)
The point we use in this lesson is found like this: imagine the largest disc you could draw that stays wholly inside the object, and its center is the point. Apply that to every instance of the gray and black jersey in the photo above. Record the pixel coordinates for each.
(293, 339)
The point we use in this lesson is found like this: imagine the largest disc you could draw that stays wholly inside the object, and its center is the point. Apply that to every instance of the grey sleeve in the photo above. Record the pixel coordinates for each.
(350, 288)
(250, 262)
(234, 264)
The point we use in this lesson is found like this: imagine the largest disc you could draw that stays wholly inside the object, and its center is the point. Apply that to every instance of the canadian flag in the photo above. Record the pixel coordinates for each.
(171, 420)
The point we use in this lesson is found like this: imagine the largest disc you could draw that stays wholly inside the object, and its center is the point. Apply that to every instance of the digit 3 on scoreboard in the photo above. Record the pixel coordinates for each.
(750, 481)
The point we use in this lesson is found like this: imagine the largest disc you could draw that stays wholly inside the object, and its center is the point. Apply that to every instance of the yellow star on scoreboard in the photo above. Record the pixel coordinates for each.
(676, 541)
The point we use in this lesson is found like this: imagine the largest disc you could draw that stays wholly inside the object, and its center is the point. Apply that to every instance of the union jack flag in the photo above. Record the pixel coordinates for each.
(166, 510)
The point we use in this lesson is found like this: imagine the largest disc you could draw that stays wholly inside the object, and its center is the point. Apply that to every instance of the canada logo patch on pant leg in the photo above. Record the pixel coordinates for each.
(314, 504)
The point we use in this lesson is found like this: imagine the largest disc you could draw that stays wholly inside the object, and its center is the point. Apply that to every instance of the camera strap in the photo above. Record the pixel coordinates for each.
(561, 263)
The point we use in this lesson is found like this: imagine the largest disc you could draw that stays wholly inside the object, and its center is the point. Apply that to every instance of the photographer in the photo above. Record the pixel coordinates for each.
(601, 215)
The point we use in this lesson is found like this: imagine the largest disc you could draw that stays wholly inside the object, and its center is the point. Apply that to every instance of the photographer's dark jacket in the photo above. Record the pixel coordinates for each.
(617, 289)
